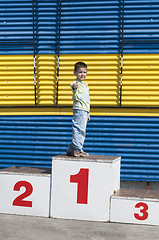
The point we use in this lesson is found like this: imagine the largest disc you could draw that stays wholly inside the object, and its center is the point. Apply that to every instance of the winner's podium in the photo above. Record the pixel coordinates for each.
(139, 206)
(81, 187)
(78, 188)
(25, 191)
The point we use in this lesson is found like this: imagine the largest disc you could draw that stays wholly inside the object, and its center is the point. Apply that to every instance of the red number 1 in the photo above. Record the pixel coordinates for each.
(81, 179)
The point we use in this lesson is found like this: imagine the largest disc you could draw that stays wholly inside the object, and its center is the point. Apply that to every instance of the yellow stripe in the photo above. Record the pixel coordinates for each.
(68, 111)
(140, 79)
(102, 78)
(140, 83)
(17, 80)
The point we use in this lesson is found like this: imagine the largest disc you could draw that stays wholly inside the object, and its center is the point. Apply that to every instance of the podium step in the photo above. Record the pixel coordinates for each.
(135, 206)
(81, 187)
(137, 193)
(25, 191)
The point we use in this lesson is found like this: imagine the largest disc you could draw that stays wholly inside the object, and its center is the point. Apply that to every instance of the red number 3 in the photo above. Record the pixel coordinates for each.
(28, 191)
(143, 211)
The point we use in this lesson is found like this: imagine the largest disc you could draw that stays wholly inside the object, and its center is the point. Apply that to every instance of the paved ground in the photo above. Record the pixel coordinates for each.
(14, 227)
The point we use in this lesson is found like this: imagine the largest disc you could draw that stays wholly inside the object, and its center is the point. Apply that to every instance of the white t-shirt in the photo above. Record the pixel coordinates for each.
(80, 96)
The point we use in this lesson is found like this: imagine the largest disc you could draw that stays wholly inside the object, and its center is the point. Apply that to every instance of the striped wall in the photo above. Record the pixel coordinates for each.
(140, 79)
(16, 27)
(33, 140)
(89, 31)
(17, 80)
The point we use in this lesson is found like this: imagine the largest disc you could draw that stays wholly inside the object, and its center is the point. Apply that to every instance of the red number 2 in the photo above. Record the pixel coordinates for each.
(82, 189)
(143, 211)
(19, 200)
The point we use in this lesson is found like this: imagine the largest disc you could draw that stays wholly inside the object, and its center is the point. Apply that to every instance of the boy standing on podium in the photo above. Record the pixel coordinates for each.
(81, 108)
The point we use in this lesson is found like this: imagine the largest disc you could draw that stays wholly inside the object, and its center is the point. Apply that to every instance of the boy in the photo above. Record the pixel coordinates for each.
(81, 108)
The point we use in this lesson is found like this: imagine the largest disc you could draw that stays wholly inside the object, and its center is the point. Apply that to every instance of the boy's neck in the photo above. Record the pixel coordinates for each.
(79, 80)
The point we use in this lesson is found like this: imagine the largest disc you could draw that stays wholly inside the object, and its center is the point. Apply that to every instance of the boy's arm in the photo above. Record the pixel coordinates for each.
(89, 117)
(74, 85)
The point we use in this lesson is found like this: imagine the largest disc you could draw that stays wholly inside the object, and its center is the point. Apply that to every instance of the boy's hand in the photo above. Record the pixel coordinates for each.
(75, 86)
(89, 117)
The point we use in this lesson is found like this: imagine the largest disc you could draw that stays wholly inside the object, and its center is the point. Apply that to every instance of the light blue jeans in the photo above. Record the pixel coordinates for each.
(80, 118)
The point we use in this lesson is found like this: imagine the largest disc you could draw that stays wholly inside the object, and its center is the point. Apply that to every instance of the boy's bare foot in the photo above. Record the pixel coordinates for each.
(80, 154)
(84, 154)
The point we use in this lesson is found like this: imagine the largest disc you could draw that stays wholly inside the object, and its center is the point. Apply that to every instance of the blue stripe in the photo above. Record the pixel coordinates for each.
(16, 26)
(95, 27)
(33, 140)
(87, 27)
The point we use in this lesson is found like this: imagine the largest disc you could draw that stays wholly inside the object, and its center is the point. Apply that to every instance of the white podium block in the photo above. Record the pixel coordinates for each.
(25, 191)
(81, 187)
(135, 206)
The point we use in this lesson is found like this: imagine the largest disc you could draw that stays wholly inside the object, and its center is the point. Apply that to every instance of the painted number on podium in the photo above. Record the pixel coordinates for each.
(143, 211)
(81, 179)
(28, 191)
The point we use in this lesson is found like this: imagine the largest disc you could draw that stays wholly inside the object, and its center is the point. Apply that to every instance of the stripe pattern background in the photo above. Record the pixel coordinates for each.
(33, 140)
(90, 31)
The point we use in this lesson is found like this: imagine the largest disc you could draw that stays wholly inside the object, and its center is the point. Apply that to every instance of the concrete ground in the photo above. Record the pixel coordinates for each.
(14, 227)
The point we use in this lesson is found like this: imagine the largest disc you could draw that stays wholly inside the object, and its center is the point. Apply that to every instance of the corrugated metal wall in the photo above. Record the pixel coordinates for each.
(141, 80)
(17, 80)
(17, 36)
(94, 30)
(16, 26)
(141, 26)
(33, 140)
(90, 31)
(141, 48)
(103, 78)
(90, 27)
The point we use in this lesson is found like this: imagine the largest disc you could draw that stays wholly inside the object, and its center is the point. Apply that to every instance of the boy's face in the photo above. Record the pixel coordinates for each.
(81, 73)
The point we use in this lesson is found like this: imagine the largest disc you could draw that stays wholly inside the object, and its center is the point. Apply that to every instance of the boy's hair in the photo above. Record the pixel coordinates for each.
(79, 65)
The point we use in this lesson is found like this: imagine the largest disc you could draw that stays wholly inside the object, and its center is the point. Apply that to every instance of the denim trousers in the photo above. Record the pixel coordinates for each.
(80, 118)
